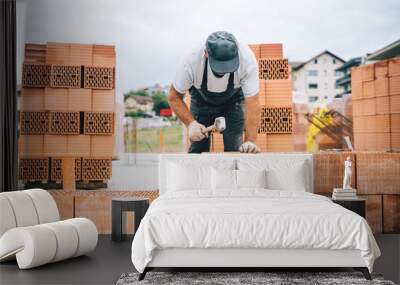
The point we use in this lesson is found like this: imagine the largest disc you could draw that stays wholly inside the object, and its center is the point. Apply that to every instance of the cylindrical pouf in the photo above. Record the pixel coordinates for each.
(67, 239)
(7, 216)
(34, 245)
(23, 208)
(87, 235)
(46, 207)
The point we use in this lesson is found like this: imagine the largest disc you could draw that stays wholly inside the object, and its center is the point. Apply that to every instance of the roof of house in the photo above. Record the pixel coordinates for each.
(295, 64)
(142, 100)
(318, 55)
(356, 61)
(386, 52)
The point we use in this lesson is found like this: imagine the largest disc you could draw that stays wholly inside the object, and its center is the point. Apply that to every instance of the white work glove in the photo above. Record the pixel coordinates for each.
(197, 131)
(249, 147)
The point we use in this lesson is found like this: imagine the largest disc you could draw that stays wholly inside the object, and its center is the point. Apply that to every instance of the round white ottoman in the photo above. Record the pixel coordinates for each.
(51, 242)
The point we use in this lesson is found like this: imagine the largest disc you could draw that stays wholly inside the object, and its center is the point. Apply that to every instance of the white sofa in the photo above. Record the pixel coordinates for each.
(31, 230)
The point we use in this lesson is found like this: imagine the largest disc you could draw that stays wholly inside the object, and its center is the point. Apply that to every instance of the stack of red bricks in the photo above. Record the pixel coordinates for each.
(376, 178)
(67, 110)
(275, 96)
(376, 105)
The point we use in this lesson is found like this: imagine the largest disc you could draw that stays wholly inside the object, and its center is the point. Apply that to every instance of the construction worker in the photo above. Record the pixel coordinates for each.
(222, 78)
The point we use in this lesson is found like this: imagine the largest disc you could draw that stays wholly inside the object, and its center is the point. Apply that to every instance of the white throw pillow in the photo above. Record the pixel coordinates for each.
(193, 175)
(223, 179)
(188, 177)
(282, 173)
(251, 178)
(292, 178)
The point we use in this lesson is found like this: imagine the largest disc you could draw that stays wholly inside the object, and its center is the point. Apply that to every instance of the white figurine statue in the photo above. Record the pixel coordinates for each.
(347, 173)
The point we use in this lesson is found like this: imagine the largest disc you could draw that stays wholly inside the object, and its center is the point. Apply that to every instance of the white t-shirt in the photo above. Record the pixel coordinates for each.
(190, 73)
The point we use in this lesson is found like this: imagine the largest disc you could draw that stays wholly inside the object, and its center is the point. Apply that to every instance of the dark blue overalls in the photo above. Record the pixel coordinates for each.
(206, 106)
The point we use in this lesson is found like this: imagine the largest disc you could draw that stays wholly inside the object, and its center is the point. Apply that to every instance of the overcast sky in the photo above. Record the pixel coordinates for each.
(152, 35)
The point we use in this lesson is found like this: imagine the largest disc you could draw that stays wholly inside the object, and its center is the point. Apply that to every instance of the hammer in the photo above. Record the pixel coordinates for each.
(218, 126)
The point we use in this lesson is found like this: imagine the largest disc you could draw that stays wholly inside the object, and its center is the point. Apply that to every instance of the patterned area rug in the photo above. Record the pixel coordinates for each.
(270, 278)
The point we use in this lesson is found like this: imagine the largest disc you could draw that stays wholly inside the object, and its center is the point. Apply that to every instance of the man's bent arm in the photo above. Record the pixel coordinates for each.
(175, 100)
(252, 118)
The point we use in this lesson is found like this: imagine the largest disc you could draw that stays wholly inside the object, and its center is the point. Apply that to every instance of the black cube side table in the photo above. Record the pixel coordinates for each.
(119, 207)
(357, 205)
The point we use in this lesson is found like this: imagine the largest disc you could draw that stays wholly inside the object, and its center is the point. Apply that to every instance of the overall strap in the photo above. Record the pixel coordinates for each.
(204, 81)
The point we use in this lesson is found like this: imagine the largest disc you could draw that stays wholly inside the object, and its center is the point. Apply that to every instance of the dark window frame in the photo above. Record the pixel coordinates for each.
(312, 85)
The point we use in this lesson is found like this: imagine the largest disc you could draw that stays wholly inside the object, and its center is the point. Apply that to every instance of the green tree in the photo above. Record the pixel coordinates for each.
(140, 92)
(135, 114)
(160, 101)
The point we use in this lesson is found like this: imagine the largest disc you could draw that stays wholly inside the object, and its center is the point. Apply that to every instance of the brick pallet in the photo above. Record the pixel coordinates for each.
(67, 76)
(64, 84)
(50, 169)
(66, 123)
(376, 105)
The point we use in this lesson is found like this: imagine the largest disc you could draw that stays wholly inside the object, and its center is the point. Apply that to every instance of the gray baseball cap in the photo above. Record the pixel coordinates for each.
(223, 52)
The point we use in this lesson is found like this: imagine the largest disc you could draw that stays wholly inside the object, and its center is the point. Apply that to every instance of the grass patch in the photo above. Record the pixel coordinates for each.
(150, 140)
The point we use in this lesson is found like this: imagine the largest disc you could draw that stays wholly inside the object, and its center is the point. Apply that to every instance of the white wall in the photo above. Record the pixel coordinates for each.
(135, 172)
(325, 79)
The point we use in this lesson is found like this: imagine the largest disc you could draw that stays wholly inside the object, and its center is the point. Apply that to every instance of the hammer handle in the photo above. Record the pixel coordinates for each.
(209, 129)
